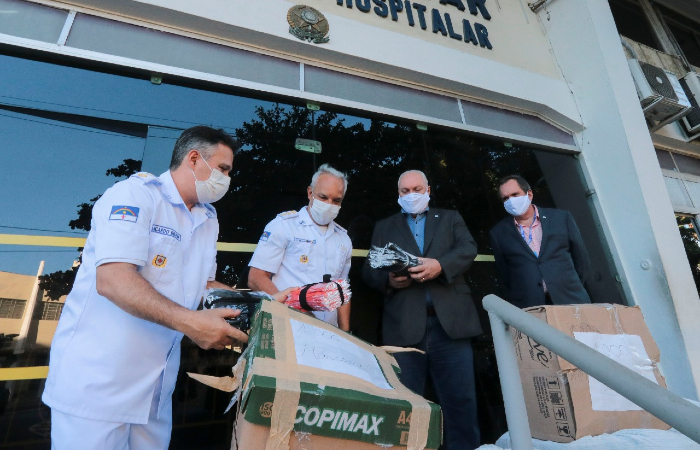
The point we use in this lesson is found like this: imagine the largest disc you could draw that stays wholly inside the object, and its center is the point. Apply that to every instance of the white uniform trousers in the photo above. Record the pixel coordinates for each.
(75, 433)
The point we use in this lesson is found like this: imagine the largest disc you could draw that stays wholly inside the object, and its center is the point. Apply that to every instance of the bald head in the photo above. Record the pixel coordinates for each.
(413, 181)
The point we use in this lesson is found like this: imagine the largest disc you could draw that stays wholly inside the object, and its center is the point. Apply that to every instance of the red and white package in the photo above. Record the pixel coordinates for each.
(320, 296)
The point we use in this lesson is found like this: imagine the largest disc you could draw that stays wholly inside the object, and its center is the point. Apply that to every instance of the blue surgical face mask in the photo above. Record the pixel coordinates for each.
(516, 206)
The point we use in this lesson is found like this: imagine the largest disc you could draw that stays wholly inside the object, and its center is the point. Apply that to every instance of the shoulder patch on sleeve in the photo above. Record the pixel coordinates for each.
(288, 214)
(124, 212)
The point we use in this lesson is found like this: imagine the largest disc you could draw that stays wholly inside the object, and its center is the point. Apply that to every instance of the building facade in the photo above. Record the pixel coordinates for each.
(465, 90)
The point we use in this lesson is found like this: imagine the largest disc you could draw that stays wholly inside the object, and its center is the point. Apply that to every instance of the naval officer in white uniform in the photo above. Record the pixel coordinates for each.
(150, 254)
(298, 248)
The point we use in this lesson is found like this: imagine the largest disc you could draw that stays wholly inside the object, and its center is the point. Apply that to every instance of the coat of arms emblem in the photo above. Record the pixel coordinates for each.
(308, 24)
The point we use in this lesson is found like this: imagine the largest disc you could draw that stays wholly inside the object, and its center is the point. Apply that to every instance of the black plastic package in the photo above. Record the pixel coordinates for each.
(243, 301)
(393, 258)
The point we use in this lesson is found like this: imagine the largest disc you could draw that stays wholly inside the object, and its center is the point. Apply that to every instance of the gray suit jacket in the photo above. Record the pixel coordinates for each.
(448, 240)
(562, 262)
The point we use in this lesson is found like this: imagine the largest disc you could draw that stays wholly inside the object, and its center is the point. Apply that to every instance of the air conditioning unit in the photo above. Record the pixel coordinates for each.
(691, 86)
(660, 94)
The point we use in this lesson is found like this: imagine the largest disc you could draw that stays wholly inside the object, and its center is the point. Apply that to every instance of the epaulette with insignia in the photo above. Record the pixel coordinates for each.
(288, 214)
(339, 228)
(145, 177)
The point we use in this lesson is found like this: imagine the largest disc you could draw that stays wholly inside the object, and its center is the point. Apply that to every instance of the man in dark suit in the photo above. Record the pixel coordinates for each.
(540, 256)
(432, 308)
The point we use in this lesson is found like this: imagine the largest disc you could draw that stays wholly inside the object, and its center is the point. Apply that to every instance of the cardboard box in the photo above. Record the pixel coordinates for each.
(563, 403)
(305, 384)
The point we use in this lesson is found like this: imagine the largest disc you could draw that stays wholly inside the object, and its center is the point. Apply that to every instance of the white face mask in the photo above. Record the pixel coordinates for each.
(322, 212)
(516, 206)
(414, 203)
(213, 188)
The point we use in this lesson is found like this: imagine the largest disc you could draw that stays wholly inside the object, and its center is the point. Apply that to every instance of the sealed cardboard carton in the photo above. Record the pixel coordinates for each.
(563, 403)
(304, 384)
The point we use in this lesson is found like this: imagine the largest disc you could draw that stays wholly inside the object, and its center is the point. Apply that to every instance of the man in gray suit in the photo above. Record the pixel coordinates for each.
(540, 256)
(432, 308)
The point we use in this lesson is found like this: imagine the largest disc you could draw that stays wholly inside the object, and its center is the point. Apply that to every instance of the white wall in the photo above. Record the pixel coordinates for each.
(619, 159)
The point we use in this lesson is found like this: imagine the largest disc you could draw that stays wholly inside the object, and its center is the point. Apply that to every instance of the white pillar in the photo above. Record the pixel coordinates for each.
(28, 314)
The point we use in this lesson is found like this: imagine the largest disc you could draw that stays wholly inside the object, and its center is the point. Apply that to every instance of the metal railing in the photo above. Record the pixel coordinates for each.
(662, 403)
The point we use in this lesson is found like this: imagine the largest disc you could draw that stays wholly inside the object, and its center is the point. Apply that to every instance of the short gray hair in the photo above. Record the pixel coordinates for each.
(425, 179)
(328, 170)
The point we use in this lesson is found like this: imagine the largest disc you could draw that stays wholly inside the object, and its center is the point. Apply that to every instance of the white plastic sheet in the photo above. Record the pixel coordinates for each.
(626, 349)
(622, 440)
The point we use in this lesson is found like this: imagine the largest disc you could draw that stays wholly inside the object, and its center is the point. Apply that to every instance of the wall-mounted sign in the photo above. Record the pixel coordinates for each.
(307, 145)
(445, 22)
(308, 24)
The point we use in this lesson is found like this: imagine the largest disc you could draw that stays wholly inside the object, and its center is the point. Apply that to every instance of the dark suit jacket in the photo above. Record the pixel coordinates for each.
(448, 240)
(562, 262)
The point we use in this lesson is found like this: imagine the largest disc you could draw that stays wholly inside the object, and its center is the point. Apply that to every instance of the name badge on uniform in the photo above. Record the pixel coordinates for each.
(165, 231)
(122, 212)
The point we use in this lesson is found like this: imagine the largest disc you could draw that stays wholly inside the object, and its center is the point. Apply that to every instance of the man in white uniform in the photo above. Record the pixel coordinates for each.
(150, 254)
(299, 248)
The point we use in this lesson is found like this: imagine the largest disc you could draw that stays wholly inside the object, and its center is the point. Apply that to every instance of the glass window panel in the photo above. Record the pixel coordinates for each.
(632, 23)
(373, 92)
(677, 193)
(688, 42)
(31, 21)
(51, 311)
(50, 87)
(687, 164)
(53, 173)
(694, 192)
(513, 122)
(11, 308)
(665, 160)
(131, 41)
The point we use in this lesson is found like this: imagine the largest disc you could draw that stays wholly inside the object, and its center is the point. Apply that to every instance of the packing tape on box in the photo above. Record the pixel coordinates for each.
(392, 349)
(289, 375)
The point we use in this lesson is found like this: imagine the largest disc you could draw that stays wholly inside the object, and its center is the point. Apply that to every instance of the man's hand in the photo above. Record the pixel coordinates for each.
(209, 329)
(281, 296)
(399, 282)
(428, 270)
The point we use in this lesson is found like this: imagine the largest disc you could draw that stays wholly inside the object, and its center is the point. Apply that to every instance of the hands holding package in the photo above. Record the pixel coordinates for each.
(429, 269)
(208, 327)
(236, 308)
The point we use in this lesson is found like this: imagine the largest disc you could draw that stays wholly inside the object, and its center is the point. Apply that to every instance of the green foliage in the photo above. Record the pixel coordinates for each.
(689, 235)
(59, 283)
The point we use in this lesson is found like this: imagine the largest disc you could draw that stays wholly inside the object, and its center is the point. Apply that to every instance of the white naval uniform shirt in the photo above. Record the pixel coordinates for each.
(106, 364)
(294, 250)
